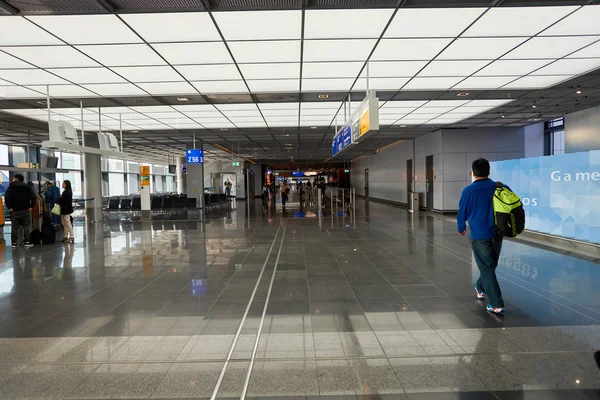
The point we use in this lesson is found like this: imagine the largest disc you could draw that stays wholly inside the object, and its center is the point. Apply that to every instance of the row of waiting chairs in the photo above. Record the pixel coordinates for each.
(215, 201)
(160, 206)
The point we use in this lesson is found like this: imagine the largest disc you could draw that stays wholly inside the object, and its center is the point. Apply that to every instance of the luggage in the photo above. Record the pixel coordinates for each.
(36, 237)
(48, 229)
(509, 215)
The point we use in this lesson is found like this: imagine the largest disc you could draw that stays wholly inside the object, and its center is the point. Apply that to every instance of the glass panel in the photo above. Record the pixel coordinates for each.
(76, 183)
(70, 161)
(116, 184)
(158, 184)
(133, 181)
(115, 165)
(170, 184)
(3, 154)
(133, 167)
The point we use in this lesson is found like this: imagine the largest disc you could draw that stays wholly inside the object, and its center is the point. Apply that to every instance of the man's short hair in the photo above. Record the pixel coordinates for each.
(481, 168)
(48, 183)
(19, 177)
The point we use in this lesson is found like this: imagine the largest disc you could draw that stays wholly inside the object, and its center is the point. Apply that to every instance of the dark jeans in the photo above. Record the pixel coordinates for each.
(20, 219)
(487, 254)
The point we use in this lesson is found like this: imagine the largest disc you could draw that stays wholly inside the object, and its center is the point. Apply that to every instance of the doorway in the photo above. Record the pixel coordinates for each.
(429, 182)
(366, 182)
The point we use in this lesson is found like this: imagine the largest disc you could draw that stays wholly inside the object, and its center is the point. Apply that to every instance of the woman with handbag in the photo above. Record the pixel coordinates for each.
(65, 201)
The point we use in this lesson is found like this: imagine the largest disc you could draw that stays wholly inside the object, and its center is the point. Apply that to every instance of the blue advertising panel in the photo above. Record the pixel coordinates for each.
(342, 140)
(297, 173)
(194, 156)
(560, 194)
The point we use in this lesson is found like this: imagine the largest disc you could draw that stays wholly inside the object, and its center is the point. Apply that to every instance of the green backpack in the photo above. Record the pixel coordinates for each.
(509, 215)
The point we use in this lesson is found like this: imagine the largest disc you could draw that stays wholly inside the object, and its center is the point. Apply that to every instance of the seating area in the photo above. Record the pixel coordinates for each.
(162, 206)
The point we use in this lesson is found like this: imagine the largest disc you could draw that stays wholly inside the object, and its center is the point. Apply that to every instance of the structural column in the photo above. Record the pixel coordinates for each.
(181, 180)
(92, 179)
(195, 180)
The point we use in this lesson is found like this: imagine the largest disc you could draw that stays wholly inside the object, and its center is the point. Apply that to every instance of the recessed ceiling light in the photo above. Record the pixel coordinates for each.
(503, 116)
(183, 99)
(42, 102)
(463, 94)
(223, 129)
(402, 126)
(578, 90)
(534, 106)
(313, 127)
(134, 131)
(323, 96)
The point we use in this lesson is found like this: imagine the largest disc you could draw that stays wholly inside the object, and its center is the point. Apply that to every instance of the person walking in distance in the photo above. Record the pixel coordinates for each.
(476, 207)
(20, 199)
(65, 201)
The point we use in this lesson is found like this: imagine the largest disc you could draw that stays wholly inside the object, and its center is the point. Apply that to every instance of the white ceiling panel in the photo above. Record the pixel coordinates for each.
(250, 112)
(87, 29)
(345, 24)
(582, 22)
(274, 85)
(173, 27)
(196, 108)
(218, 125)
(8, 61)
(408, 49)
(250, 124)
(88, 75)
(404, 104)
(487, 103)
(480, 48)
(331, 69)
(123, 55)
(194, 53)
(452, 68)
(65, 91)
(153, 109)
(439, 83)
(260, 25)
(149, 74)
(168, 88)
(220, 86)
(445, 103)
(283, 124)
(324, 85)
(589, 51)
(18, 92)
(278, 106)
(52, 56)
(550, 47)
(443, 121)
(485, 82)
(338, 50)
(282, 118)
(535, 82)
(393, 69)
(203, 114)
(569, 67)
(320, 105)
(115, 89)
(271, 71)
(236, 107)
(512, 67)
(29, 34)
(30, 77)
(516, 21)
(221, 72)
(430, 111)
(266, 51)
(431, 22)
(380, 84)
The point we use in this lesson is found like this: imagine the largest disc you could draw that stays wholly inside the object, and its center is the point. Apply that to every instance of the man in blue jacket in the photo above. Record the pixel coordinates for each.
(51, 195)
(476, 208)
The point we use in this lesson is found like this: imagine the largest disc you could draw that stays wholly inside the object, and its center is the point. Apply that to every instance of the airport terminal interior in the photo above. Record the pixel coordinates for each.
(265, 198)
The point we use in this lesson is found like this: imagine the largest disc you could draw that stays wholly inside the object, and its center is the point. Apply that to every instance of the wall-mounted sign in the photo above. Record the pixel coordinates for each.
(194, 156)
(297, 173)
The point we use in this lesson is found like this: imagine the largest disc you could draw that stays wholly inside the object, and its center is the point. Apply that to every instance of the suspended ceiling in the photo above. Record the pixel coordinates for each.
(252, 79)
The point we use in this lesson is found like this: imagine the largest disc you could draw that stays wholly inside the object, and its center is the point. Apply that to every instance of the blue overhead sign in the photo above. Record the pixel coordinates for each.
(297, 173)
(342, 140)
(194, 156)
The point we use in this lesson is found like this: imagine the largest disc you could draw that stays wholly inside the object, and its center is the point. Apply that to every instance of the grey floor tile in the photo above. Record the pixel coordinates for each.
(46, 381)
(196, 380)
(544, 395)
(545, 339)
(454, 320)
(286, 346)
(436, 374)
(206, 347)
(15, 350)
(347, 344)
(283, 378)
(479, 341)
(352, 377)
(83, 349)
(397, 321)
(412, 343)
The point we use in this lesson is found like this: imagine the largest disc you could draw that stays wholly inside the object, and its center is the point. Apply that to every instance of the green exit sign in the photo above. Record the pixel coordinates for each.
(235, 163)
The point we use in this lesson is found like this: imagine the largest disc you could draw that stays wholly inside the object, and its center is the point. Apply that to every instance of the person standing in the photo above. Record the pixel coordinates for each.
(51, 195)
(476, 207)
(20, 199)
(65, 201)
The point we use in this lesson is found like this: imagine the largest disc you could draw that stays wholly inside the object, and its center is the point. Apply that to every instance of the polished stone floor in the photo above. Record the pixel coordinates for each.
(254, 303)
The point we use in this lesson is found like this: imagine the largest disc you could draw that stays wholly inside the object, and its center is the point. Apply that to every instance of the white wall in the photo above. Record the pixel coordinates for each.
(453, 152)
(582, 130)
(226, 166)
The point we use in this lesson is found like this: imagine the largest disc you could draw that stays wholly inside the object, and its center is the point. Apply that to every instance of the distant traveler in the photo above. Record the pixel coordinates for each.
(20, 200)
(284, 193)
(476, 208)
(51, 195)
(65, 201)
